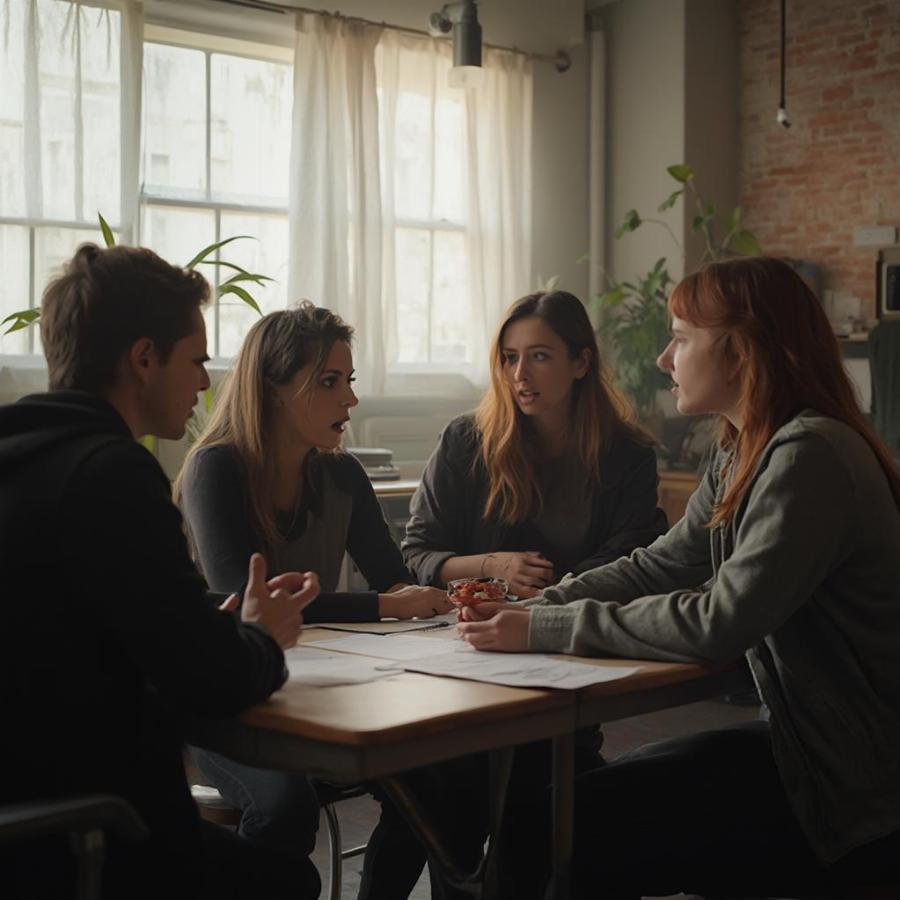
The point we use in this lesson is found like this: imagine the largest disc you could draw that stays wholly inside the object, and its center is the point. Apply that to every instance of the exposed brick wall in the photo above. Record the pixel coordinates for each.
(805, 188)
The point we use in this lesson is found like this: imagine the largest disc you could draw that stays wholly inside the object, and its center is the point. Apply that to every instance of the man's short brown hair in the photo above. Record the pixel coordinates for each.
(105, 300)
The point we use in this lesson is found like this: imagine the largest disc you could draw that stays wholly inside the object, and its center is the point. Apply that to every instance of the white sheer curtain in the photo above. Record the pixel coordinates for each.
(335, 191)
(71, 74)
(402, 188)
(498, 181)
(69, 137)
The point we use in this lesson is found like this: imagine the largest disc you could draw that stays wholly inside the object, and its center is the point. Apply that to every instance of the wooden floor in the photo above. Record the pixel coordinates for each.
(358, 816)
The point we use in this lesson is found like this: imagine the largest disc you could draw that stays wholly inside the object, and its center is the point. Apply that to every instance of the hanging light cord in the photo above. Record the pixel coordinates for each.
(781, 117)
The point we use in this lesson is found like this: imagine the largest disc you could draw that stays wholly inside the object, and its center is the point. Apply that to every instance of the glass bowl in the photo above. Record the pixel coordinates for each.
(469, 591)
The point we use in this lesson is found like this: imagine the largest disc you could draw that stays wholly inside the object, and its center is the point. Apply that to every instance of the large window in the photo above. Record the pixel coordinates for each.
(214, 163)
(54, 169)
(429, 237)
(409, 215)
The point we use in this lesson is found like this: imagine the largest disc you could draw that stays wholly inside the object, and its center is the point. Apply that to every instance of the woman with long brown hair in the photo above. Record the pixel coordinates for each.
(549, 476)
(267, 474)
(789, 553)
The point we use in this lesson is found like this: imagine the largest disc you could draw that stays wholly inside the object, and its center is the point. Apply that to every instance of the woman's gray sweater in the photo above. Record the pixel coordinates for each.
(806, 581)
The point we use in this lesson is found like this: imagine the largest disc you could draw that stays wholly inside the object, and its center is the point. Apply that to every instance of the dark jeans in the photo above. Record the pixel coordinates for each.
(703, 814)
(460, 808)
(279, 810)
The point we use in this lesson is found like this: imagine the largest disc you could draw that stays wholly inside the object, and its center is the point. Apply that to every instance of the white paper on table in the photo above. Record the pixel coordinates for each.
(518, 669)
(397, 646)
(313, 667)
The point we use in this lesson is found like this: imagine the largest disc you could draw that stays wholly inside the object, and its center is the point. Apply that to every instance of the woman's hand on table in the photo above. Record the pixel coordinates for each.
(527, 572)
(503, 627)
(413, 601)
(277, 603)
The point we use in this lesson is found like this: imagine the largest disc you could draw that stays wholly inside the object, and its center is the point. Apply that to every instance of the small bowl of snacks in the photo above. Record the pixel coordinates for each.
(470, 591)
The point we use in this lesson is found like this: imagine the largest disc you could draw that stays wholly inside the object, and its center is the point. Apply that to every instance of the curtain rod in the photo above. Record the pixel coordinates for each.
(561, 60)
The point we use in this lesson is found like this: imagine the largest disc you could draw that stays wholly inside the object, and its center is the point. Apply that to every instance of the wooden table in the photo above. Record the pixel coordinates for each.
(379, 729)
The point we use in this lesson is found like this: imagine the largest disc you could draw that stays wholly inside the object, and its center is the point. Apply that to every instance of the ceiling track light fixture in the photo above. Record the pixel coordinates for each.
(461, 19)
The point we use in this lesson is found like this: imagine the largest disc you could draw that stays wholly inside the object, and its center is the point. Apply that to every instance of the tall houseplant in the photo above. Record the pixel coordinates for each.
(632, 314)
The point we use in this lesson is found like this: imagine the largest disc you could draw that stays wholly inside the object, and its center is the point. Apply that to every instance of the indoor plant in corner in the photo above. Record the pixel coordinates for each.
(632, 314)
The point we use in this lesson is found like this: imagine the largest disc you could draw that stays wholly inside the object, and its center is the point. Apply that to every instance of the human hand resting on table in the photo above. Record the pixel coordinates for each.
(527, 573)
(276, 603)
(411, 601)
(495, 626)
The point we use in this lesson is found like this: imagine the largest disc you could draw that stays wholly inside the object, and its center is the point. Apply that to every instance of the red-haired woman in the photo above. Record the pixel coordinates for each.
(794, 535)
(549, 476)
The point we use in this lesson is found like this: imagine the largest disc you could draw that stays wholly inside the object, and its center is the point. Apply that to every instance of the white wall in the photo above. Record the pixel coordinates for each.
(645, 80)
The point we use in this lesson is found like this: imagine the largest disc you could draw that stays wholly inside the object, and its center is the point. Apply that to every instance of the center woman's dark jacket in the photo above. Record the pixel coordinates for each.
(446, 513)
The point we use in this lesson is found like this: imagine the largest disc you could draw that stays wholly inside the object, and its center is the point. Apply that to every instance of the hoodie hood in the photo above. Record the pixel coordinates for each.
(39, 422)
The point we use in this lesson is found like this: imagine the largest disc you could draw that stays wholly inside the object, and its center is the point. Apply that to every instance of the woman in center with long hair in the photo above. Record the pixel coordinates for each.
(550, 475)
(267, 475)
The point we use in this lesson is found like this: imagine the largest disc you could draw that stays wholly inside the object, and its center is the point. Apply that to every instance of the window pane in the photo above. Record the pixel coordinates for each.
(413, 288)
(52, 248)
(266, 256)
(450, 322)
(12, 114)
(174, 139)
(77, 63)
(101, 103)
(448, 161)
(177, 235)
(251, 128)
(14, 284)
(94, 45)
(412, 171)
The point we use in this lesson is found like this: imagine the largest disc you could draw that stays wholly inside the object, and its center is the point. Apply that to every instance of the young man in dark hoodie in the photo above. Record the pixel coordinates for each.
(108, 634)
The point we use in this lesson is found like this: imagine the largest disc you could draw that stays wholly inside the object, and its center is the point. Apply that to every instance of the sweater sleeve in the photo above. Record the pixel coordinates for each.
(214, 503)
(634, 520)
(126, 537)
(790, 537)
(437, 510)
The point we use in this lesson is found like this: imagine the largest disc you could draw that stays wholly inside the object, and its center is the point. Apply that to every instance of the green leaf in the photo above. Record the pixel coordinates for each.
(212, 247)
(247, 276)
(699, 222)
(108, 236)
(734, 220)
(669, 202)
(21, 319)
(745, 243)
(710, 210)
(682, 173)
(221, 262)
(612, 297)
(632, 221)
(240, 292)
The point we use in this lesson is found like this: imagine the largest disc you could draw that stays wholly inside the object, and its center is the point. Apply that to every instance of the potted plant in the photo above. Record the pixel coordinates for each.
(632, 314)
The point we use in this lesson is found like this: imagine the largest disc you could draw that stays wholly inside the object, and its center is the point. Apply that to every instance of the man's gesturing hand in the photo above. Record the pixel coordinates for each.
(277, 603)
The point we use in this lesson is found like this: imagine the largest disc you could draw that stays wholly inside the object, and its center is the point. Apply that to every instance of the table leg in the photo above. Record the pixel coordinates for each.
(563, 815)
(484, 882)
